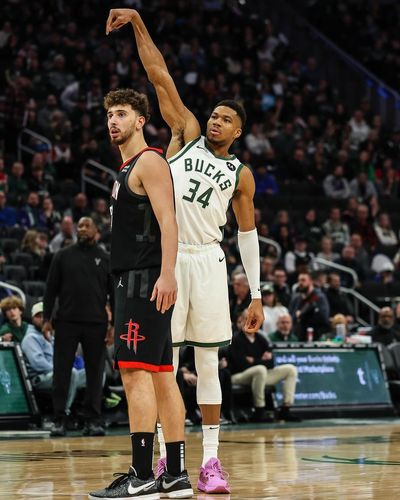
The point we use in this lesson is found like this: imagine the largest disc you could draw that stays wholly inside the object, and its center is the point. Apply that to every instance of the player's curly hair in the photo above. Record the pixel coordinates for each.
(138, 101)
(11, 302)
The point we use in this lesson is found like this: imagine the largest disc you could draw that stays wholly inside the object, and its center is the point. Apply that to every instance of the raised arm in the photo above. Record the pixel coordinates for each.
(183, 124)
(243, 207)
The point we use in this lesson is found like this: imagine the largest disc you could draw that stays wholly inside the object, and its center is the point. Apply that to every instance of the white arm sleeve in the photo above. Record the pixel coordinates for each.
(250, 254)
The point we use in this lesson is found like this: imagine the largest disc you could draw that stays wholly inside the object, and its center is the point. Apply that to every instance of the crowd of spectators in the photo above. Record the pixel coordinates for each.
(327, 176)
(366, 30)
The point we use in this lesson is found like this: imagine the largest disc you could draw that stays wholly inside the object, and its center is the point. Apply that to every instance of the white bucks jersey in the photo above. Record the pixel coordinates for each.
(204, 185)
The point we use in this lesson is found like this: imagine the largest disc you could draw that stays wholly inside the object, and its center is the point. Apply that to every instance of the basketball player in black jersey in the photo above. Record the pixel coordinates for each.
(143, 255)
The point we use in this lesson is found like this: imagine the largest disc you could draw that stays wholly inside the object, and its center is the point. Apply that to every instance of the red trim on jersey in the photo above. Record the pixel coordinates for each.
(145, 366)
(158, 150)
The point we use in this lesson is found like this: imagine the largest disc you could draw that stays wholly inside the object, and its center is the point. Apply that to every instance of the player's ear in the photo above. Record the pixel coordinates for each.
(140, 122)
(238, 133)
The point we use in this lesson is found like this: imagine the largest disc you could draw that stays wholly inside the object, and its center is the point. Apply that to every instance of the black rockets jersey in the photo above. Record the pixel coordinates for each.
(135, 233)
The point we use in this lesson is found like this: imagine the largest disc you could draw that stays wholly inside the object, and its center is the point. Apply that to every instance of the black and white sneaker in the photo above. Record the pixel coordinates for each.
(128, 486)
(174, 486)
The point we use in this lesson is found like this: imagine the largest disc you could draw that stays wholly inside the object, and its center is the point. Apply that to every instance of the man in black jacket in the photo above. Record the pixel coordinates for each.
(251, 363)
(79, 277)
(309, 308)
(384, 332)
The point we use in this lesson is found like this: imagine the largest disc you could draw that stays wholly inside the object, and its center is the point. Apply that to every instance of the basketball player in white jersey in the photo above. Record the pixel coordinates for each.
(206, 180)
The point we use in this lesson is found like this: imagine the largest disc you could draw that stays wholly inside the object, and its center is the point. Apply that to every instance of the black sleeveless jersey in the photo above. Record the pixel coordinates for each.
(135, 233)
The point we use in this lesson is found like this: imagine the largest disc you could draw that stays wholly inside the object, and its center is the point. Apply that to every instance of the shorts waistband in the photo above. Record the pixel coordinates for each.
(187, 248)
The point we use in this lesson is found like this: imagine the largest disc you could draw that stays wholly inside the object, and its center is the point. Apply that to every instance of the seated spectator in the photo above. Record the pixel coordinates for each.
(359, 129)
(350, 212)
(67, 232)
(265, 182)
(14, 329)
(284, 239)
(80, 208)
(256, 141)
(272, 309)
(337, 230)
(361, 188)
(339, 329)
(8, 215)
(267, 269)
(384, 231)
(251, 363)
(52, 218)
(30, 216)
(284, 330)
(385, 331)
(242, 297)
(337, 300)
(281, 288)
(282, 219)
(309, 308)
(17, 185)
(300, 252)
(39, 353)
(101, 215)
(319, 278)
(388, 185)
(311, 229)
(336, 185)
(327, 252)
(348, 259)
(361, 253)
(30, 244)
(39, 181)
(362, 225)
(384, 270)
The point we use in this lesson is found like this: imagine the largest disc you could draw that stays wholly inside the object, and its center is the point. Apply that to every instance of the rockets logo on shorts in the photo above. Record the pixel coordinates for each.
(132, 336)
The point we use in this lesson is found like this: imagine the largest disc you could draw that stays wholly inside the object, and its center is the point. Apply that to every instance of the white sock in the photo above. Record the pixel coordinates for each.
(210, 442)
(161, 441)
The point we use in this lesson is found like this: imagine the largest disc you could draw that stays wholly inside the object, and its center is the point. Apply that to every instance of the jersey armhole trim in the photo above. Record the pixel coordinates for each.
(183, 150)
(239, 169)
(143, 197)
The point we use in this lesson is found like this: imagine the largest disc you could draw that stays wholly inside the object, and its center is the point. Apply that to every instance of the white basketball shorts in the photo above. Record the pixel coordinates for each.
(201, 315)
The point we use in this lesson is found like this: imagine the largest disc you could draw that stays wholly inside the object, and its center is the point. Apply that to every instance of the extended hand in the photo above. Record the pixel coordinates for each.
(47, 329)
(255, 316)
(165, 291)
(118, 18)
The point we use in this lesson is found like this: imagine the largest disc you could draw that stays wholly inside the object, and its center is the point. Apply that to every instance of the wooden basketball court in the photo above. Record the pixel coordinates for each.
(337, 460)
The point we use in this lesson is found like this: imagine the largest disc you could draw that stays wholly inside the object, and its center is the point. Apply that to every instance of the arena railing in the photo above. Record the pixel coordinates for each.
(15, 289)
(357, 299)
(28, 147)
(273, 243)
(333, 265)
(98, 167)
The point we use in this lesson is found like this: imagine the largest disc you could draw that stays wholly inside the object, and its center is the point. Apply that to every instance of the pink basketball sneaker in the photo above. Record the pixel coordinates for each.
(161, 466)
(212, 478)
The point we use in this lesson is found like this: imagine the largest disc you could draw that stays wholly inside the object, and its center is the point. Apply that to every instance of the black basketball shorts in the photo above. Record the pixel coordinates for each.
(142, 336)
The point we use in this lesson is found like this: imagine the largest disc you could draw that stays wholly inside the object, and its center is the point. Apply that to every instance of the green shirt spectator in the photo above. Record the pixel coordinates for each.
(14, 329)
(277, 336)
(284, 330)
